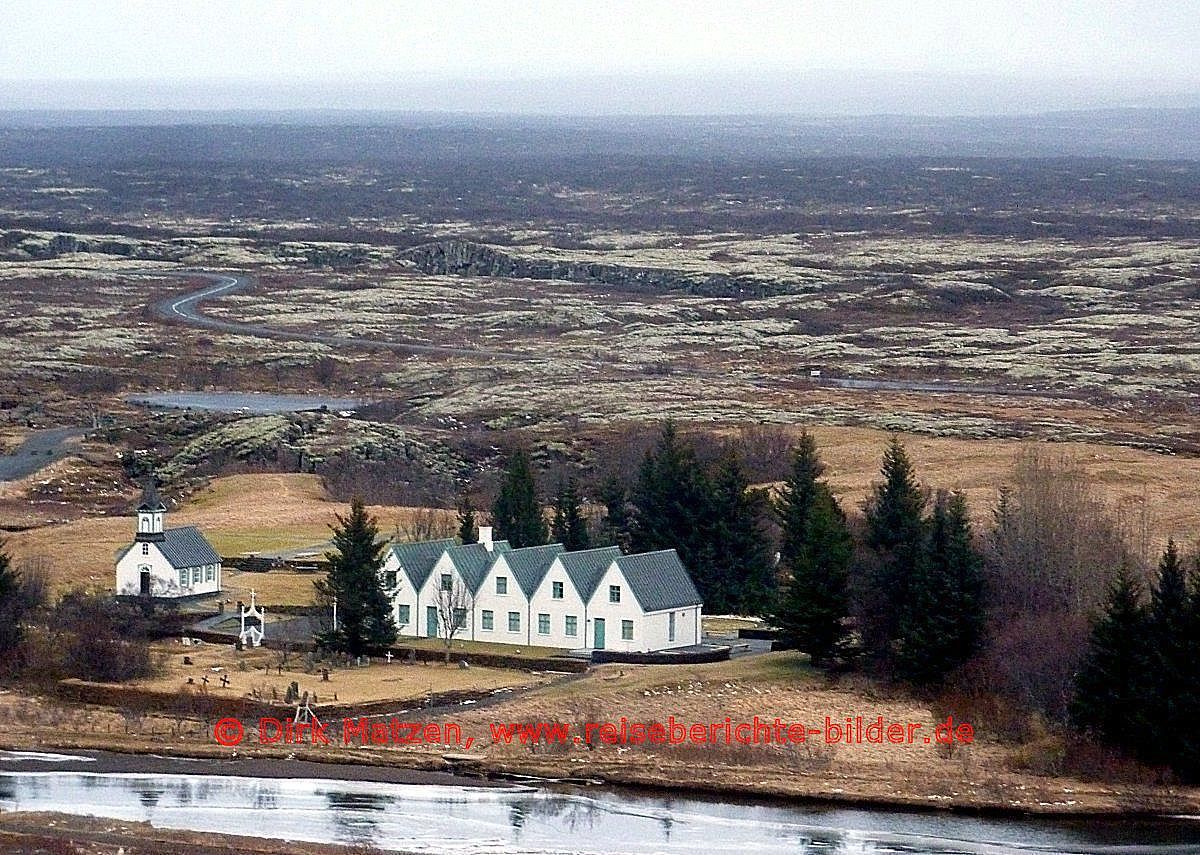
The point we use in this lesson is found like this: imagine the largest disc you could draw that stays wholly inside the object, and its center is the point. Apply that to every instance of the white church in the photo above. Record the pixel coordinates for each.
(544, 596)
(166, 563)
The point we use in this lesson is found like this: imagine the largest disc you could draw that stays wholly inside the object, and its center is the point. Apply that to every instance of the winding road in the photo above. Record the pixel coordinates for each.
(186, 309)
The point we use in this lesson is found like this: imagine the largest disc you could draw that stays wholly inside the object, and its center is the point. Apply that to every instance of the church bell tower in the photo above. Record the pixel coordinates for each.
(150, 513)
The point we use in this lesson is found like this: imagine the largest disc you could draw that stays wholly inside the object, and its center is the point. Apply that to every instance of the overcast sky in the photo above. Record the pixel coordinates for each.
(602, 56)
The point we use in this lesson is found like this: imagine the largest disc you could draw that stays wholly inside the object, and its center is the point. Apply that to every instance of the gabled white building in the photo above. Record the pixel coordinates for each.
(166, 562)
(544, 596)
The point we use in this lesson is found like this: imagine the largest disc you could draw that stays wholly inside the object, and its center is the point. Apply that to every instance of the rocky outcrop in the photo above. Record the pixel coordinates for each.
(466, 258)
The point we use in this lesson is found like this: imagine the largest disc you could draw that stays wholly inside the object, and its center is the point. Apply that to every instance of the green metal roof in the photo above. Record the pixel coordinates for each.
(659, 580)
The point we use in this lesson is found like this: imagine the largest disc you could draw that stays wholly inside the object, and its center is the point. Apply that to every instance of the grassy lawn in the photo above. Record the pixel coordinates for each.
(722, 625)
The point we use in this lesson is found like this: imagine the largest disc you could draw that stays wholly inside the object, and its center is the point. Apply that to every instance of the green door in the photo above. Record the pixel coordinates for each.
(431, 621)
(599, 633)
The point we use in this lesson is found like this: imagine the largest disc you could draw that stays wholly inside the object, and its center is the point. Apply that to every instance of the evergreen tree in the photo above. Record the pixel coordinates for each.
(896, 534)
(1170, 698)
(468, 527)
(12, 607)
(943, 624)
(355, 582)
(569, 526)
(614, 529)
(815, 551)
(1187, 741)
(794, 504)
(742, 572)
(669, 495)
(811, 611)
(671, 510)
(1111, 683)
(516, 513)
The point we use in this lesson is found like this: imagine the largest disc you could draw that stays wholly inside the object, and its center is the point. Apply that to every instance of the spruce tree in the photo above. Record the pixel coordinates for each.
(1111, 683)
(942, 626)
(671, 510)
(811, 611)
(516, 513)
(815, 552)
(896, 534)
(794, 504)
(364, 613)
(615, 528)
(1187, 741)
(11, 607)
(1170, 698)
(742, 573)
(468, 527)
(569, 526)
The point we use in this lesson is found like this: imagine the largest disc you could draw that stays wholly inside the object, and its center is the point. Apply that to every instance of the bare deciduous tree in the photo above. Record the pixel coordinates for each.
(1050, 557)
(454, 603)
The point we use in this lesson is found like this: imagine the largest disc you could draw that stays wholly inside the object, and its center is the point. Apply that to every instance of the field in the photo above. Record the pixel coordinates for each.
(261, 674)
(243, 514)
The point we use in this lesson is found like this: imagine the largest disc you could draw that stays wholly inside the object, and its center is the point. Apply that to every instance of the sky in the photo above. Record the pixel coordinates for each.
(602, 56)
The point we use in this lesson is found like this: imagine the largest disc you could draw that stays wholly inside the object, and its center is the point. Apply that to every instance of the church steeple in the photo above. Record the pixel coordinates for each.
(151, 512)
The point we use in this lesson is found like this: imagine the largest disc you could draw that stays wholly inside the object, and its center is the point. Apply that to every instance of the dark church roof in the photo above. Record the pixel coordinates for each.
(187, 547)
(151, 501)
(184, 547)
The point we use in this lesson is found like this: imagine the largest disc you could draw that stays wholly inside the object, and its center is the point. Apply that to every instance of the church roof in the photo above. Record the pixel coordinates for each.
(151, 501)
(183, 547)
(187, 547)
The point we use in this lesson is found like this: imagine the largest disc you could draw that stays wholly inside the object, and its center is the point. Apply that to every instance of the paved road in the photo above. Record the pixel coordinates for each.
(187, 310)
(39, 449)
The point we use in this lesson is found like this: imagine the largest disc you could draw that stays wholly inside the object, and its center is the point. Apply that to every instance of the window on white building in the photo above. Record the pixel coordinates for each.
(614, 593)
(488, 619)
(556, 590)
(627, 630)
(183, 578)
(501, 584)
(210, 572)
(514, 621)
(145, 549)
(543, 624)
(447, 582)
(403, 615)
(671, 626)
(460, 618)
(572, 626)
(197, 575)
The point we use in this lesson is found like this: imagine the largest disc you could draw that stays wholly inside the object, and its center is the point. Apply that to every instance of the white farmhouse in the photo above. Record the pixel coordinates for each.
(165, 562)
(594, 599)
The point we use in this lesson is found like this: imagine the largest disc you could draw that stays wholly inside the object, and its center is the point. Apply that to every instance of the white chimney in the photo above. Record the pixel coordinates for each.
(485, 536)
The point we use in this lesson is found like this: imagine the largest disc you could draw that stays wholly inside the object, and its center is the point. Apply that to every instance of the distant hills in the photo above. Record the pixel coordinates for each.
(1153, 133)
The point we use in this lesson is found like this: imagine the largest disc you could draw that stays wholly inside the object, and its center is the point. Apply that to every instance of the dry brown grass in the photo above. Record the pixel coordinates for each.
(257, 513)
(238, 514)
(1132, 481)
(404, 683)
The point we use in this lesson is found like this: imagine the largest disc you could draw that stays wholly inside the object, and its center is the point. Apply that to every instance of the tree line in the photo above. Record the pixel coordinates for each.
(1045, 608)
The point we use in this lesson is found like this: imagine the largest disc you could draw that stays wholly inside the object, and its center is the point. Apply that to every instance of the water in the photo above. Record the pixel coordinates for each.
(247, 402)
(452, 819)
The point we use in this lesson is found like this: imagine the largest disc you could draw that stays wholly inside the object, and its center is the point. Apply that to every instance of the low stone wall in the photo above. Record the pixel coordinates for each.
(662, 657)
